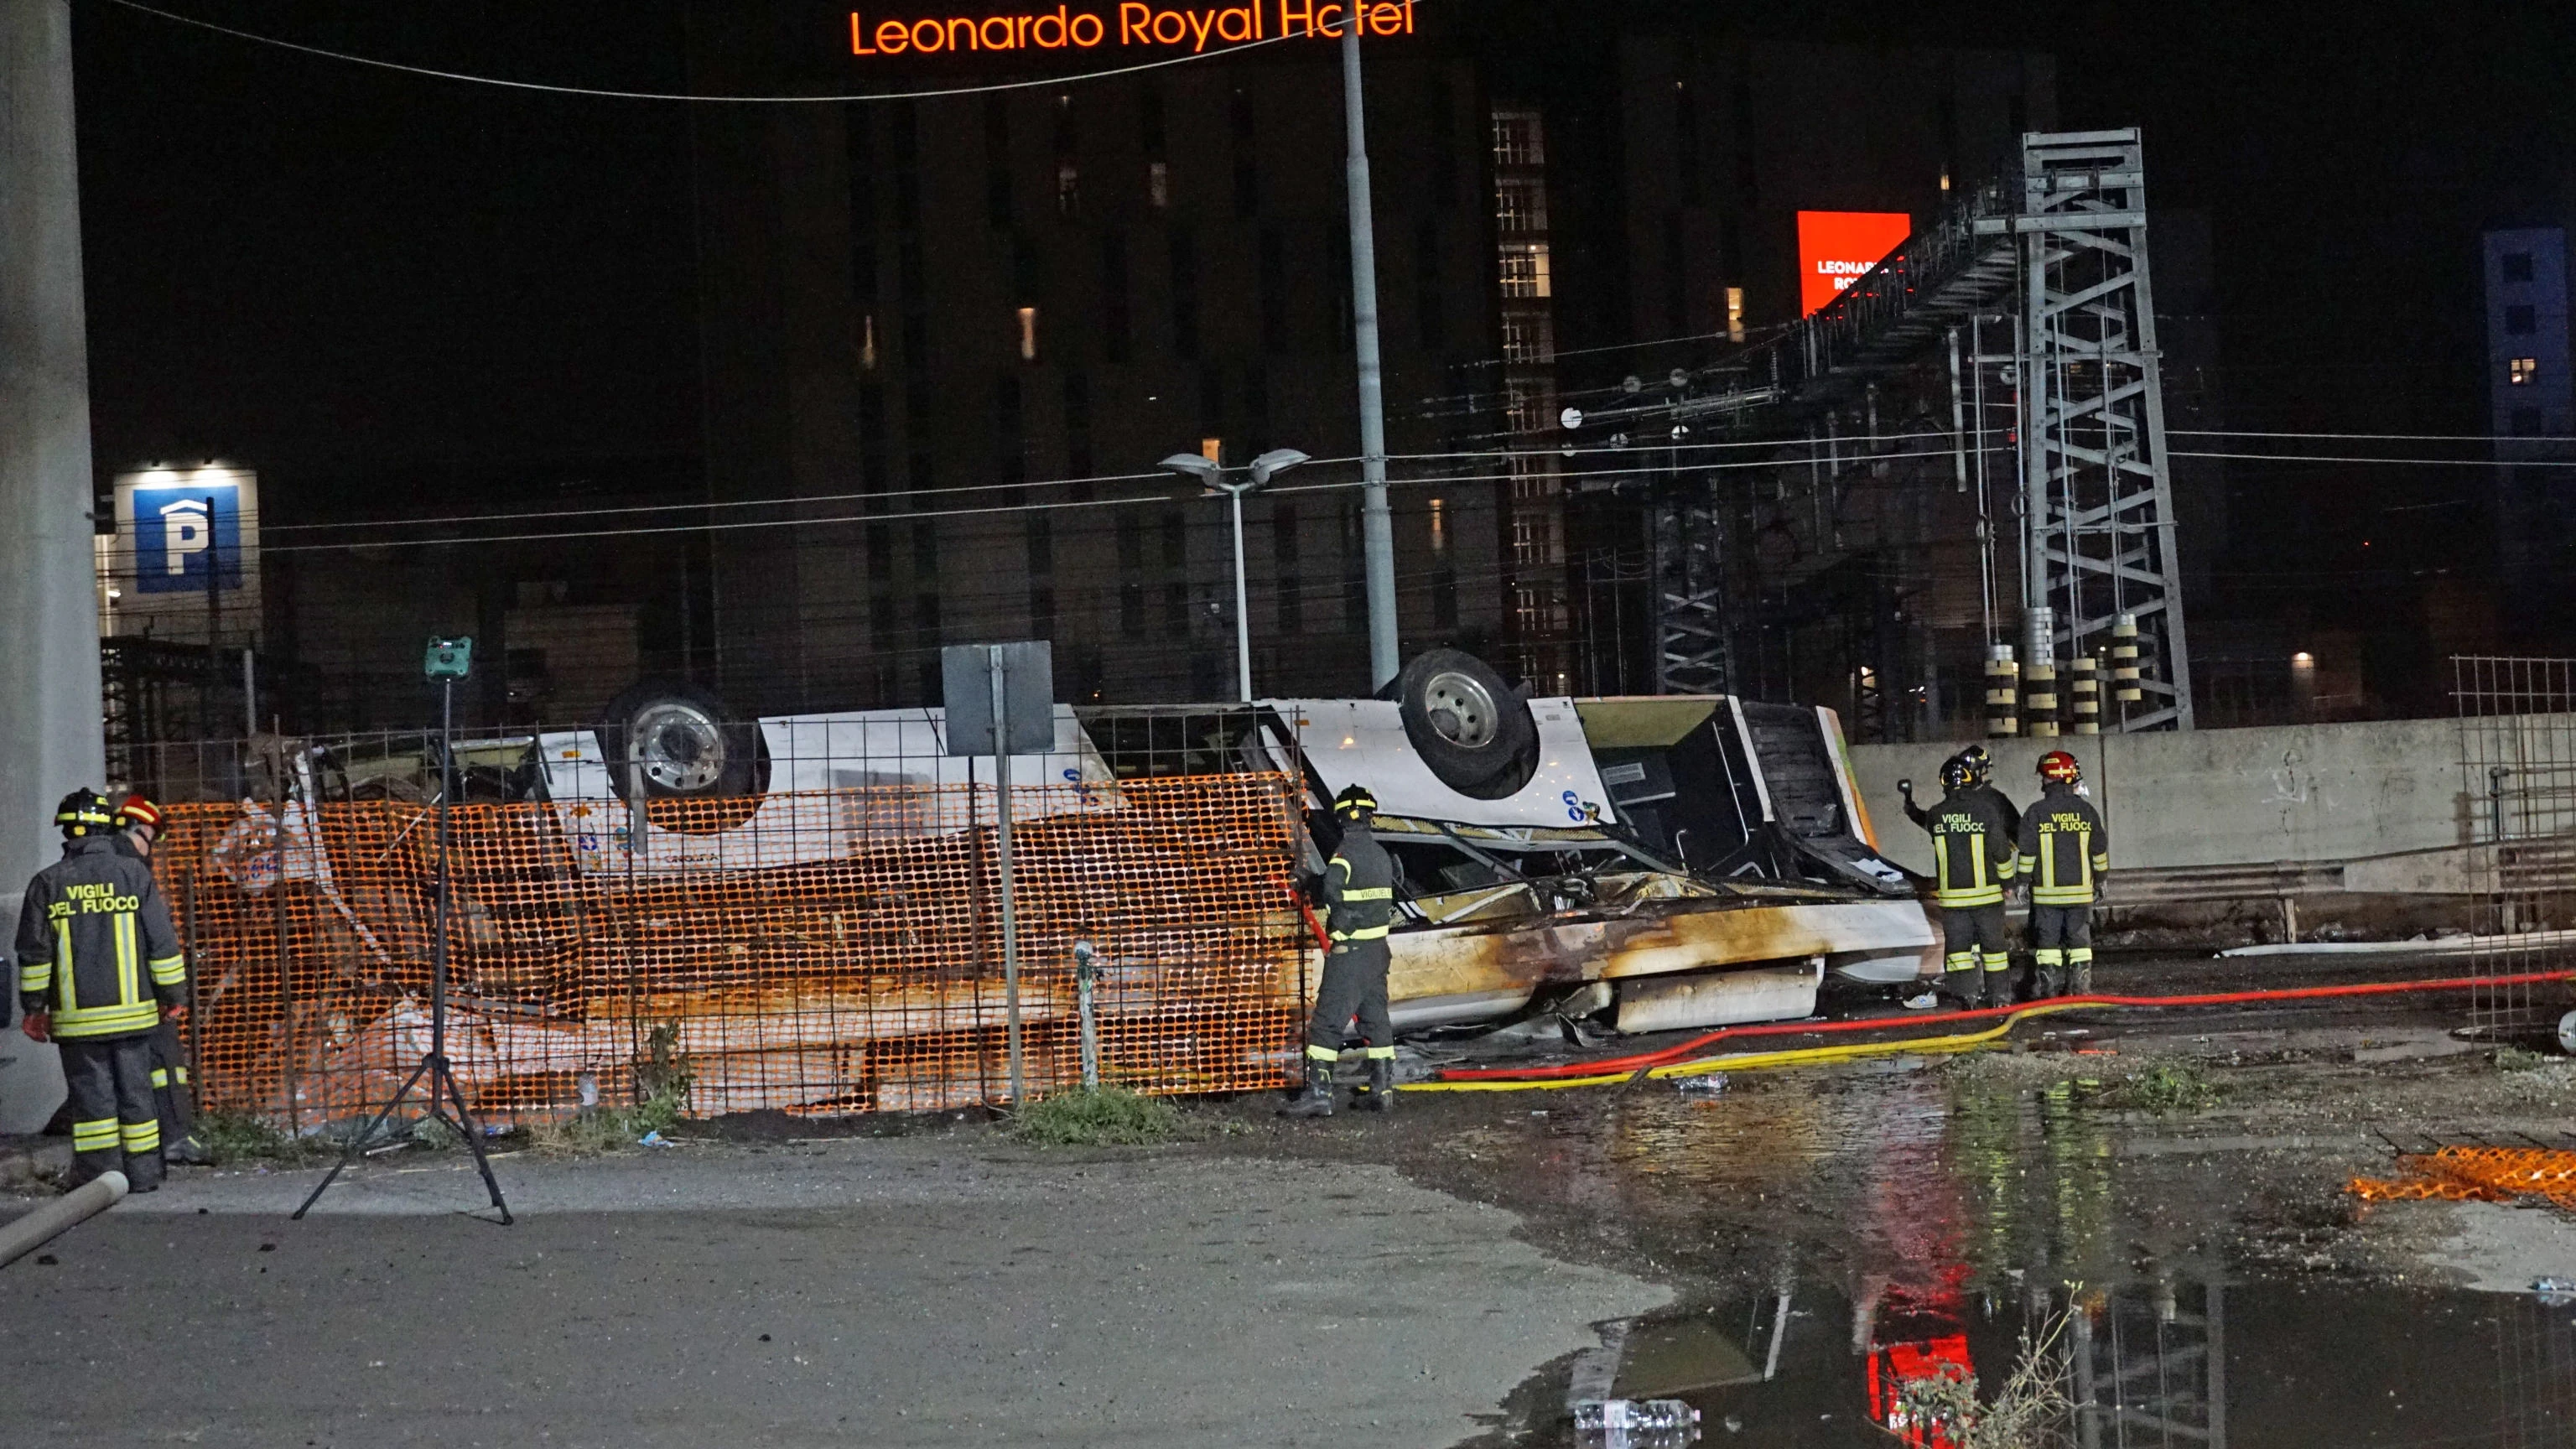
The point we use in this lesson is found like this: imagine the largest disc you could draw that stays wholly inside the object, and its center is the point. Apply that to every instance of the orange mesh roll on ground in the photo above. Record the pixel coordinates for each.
(2478, 1174)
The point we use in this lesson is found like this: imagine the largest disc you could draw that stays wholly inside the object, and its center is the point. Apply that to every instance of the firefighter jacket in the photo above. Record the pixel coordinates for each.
(95, 947)
(2065, 848)
(1972, 851)
(1359, 888)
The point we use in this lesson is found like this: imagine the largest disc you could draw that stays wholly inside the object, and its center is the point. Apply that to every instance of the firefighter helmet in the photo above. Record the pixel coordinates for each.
(1981, 766)
(83, 811)
(1957, 775)
(2059, 768)
(1354, 803)
(138, 811)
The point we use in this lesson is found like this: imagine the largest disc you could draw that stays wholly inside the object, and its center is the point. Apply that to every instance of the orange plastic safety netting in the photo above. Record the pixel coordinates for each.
(2478, 1174)
(834, 952)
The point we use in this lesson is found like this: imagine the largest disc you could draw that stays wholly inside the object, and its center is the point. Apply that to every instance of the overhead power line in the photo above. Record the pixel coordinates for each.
(740, 525)
(598, 93)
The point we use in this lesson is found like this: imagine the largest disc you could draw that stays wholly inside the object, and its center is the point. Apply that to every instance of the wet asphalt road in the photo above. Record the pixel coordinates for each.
(920, 1291)
(1353, 1281)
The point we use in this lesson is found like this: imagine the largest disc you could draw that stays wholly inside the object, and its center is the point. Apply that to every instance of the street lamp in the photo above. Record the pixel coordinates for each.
(1211, 476)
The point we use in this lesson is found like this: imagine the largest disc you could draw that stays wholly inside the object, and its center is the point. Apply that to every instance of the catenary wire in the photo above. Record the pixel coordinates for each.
(617, 95)
(567, 535)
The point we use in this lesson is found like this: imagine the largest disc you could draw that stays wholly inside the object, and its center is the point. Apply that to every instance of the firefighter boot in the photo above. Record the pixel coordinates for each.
(1378, 1095)
(1315, 1099)
(1964, 988)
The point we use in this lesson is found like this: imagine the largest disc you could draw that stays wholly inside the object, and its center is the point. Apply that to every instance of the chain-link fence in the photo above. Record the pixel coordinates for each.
(2517, 733)
(816, 952)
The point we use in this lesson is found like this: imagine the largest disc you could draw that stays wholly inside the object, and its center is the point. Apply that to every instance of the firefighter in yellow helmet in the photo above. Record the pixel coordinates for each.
(2066, 850)
(97, 960)
(1359, 894)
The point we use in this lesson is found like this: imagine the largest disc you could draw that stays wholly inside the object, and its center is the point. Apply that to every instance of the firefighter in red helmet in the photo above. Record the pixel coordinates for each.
(2066, 851)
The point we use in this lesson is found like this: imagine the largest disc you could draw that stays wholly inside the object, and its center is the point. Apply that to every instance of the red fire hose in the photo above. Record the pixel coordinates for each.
(1641, 1061)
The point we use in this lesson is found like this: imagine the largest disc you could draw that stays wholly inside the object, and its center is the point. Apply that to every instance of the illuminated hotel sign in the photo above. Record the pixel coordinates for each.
(1129, 25)
(1837, 248)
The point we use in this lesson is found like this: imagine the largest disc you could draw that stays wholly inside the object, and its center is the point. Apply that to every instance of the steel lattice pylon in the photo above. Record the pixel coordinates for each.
(2098, 523)
(1692, 653)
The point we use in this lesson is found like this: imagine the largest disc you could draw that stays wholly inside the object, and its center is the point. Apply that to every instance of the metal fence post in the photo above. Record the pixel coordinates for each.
(1086, 972)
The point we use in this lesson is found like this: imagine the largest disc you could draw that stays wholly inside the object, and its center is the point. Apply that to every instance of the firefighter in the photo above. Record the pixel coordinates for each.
(97, 958)
(1981, 774)
(1972, 860)
(138, 824)
(2067, 850)
(1359, 894)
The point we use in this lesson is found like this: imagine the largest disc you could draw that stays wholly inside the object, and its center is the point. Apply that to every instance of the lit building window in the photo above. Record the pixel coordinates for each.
(868, 342)
(1735, 314)
(1524, 269)
(1212, 449)
(1028, 334)
(1519, 139)
(1439, 526)
(1158, 185)
(2522, 370)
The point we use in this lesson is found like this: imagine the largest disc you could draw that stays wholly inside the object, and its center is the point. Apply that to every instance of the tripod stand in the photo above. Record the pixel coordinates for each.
(433, 1067)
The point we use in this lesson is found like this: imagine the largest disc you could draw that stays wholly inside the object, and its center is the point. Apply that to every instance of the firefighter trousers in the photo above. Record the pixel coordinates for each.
(116, 1126)
(1974, 952)
(2061, 949)
(1354, 986)
(174, 1104)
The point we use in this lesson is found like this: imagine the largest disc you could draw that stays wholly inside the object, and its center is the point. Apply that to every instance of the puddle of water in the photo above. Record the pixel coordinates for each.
(2174, 1361)
(1888, 1170)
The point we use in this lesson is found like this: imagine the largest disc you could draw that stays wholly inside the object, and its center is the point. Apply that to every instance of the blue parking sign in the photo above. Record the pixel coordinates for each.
(183, 532)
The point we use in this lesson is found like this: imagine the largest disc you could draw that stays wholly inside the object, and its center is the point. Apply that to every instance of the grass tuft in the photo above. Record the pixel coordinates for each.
(1106, 1117)
(596, 1130)
(2515, 1059)
(2030, 1411)
(2164, 1087)
(235, 1138)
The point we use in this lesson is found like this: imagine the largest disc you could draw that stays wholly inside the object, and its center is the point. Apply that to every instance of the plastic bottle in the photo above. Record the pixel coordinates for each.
(1614, 1414)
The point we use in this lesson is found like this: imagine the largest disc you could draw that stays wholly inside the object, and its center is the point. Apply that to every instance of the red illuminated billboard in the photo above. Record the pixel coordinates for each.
(1836, 248)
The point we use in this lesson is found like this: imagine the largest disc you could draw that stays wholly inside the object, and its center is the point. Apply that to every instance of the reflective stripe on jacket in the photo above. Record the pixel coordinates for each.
(1972, 852)
(1359, 888)
(95, 946)
(2067, 848)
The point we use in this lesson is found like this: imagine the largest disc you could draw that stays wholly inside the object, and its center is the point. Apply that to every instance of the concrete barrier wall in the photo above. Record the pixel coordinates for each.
(2222, 797)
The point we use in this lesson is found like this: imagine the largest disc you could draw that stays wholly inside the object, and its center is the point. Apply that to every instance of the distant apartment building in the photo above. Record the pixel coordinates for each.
(2532, 416)
(966, 327)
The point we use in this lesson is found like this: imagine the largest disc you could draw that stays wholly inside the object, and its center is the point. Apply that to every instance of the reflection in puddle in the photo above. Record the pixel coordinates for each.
(2162, 1362)
(1901, 1227)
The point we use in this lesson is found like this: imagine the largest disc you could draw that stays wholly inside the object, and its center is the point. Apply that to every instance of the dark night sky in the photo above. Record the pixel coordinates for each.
(339, 274)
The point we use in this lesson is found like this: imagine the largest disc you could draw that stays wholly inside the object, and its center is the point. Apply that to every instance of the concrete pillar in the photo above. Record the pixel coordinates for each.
(50, 728)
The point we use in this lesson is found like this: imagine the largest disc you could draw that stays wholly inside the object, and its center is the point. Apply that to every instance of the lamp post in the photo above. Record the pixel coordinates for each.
(1212, 477)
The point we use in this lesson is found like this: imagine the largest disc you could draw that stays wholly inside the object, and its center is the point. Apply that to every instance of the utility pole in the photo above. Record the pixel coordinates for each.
(1377, 526)
(51, 735)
